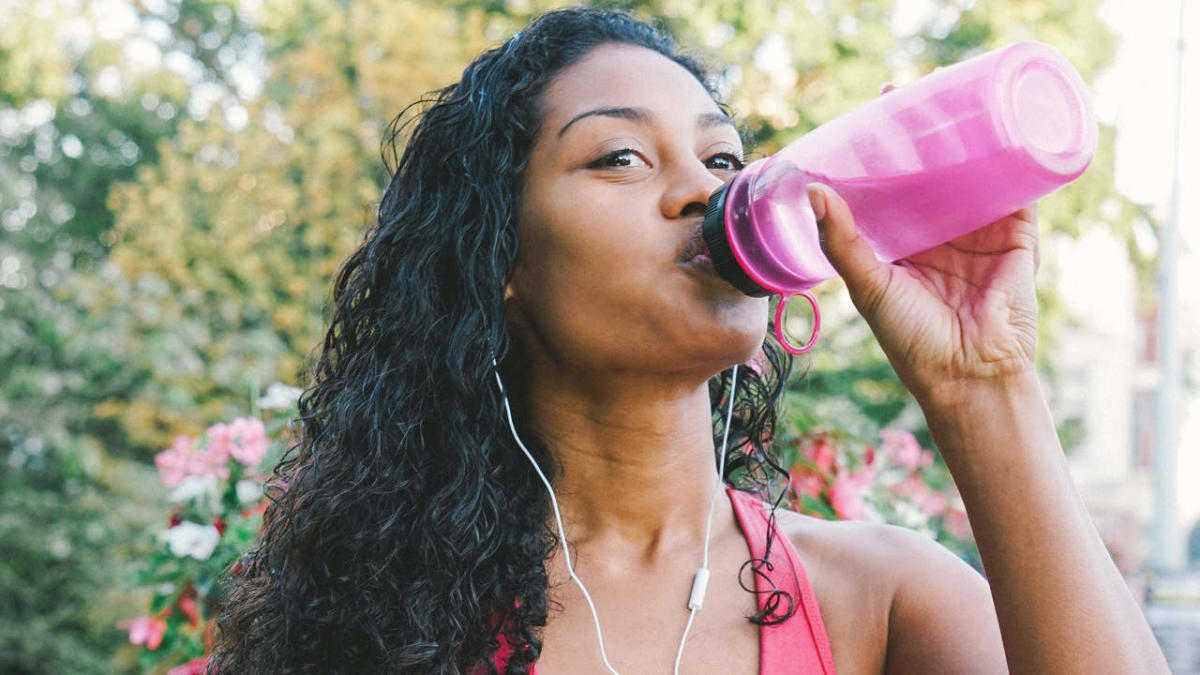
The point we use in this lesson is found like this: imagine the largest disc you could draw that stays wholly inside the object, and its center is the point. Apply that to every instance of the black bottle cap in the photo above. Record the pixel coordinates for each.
(718, 247)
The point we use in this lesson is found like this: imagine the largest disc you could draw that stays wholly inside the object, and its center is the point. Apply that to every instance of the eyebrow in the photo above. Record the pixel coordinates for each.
(642, 116)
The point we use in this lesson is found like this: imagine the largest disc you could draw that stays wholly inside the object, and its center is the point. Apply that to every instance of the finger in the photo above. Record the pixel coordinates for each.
(845, 248)
(1037, 255)
(1030, 214)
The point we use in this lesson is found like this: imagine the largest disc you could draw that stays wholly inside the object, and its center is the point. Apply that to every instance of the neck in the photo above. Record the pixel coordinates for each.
(636, 458)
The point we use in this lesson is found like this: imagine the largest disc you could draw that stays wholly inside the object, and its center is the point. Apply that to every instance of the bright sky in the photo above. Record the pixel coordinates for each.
(1139, 96)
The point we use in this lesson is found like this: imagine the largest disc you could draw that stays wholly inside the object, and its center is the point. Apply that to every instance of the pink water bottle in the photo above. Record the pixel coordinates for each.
(918, 166)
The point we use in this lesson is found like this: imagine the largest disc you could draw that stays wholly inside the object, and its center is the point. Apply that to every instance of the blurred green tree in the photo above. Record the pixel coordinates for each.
(86, 89)
(296, 183)
(229, 243)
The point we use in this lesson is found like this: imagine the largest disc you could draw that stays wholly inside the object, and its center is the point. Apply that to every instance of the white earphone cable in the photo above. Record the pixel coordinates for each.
(701, 580)
(699, 584)
(562, 536)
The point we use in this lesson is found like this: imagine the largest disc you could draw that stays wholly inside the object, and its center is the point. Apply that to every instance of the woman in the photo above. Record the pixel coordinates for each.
(544, 216)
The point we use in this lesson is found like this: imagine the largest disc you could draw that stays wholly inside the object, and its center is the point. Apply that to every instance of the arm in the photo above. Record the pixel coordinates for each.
(1062, 605)
(959, 325)
(941, 620)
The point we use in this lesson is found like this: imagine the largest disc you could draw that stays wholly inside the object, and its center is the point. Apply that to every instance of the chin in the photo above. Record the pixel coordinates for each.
(730, 343)
(744, 323)
(750, 347)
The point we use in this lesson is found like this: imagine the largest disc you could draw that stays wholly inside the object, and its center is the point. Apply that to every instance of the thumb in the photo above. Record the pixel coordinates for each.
(848, 252)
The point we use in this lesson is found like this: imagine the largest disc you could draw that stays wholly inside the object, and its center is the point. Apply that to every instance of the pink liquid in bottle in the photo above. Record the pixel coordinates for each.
(919, 166)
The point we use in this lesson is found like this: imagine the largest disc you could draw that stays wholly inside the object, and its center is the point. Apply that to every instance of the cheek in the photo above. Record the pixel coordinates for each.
(585, 240)
(561, 256)
(585, 282)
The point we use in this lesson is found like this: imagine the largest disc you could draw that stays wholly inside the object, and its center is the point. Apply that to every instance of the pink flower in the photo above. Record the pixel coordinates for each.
(211, 462)
(187, 604)
(251, 435)
(183, 460)
(145, 630)
(807, 483)
(926, 459)
(821, 454)
(931, 503)
(847, 492)
(220, 441)
(957, 523)
(901, 448)
(175, 463)
(193, 667)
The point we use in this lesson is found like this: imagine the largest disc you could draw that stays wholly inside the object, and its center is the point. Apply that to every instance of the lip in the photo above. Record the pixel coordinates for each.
(695, 252)
(701, 262)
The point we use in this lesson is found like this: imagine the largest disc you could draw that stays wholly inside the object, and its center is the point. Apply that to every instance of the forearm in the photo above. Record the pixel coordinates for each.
(1061, 604)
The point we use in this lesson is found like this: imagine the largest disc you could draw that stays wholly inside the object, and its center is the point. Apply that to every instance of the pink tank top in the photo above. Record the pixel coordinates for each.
(797, 646)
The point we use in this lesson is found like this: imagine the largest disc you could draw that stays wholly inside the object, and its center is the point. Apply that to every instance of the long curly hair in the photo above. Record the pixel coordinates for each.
(406, 530)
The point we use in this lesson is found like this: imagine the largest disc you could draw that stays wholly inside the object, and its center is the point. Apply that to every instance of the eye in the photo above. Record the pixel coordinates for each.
(725, 161)
(617, 159)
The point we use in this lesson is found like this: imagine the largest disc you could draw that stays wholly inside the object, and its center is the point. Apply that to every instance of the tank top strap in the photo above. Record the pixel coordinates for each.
(799, 645)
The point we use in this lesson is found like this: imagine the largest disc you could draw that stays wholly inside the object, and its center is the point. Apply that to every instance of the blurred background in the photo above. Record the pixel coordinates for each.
(179, 180)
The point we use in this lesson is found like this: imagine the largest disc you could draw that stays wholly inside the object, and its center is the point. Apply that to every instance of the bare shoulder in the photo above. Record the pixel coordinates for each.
(890, 555)
(854, 546)
(893, 600)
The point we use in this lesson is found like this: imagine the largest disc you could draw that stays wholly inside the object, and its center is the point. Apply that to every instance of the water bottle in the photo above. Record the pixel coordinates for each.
(919, 166)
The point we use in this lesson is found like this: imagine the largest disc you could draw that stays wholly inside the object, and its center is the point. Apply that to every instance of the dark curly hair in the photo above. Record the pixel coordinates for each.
(407, 531)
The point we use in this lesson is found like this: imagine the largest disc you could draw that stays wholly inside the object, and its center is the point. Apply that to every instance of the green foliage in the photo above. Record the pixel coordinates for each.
(76, 116)
(238, 282)
(230, 242)
(57, 531)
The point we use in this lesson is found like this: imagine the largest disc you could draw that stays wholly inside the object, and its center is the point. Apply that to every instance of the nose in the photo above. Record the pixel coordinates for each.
(691, 184)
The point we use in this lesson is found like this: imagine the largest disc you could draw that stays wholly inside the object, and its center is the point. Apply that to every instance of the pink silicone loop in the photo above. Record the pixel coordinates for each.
(783, 341)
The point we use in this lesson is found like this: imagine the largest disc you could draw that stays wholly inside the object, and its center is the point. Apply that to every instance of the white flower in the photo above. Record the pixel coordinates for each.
(192, 539)
(248, 491)
(279, 396)
(194, 487)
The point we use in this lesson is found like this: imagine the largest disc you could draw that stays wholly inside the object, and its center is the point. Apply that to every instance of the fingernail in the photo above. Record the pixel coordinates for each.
(817, 199)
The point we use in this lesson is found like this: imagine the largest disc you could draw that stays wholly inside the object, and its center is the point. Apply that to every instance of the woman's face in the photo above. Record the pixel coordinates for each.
(630, 149)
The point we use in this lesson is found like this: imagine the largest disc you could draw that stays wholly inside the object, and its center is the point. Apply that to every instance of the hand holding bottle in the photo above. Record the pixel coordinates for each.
(953, 315)
(944, 156)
